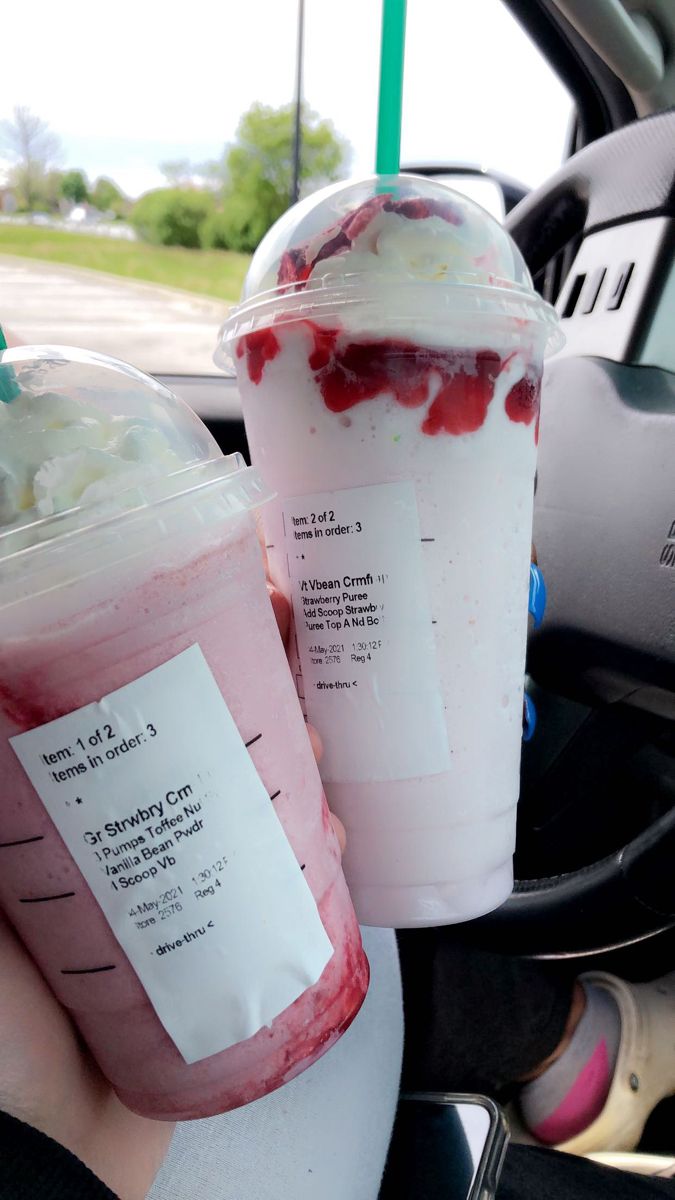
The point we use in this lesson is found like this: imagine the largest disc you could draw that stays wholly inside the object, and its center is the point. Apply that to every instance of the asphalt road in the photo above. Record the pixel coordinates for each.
(158, 329)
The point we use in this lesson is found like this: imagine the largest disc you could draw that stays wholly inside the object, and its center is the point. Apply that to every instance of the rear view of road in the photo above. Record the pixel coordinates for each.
(158, 329)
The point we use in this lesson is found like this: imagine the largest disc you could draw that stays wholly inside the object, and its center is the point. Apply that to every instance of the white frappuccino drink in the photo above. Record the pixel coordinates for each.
(389, 353)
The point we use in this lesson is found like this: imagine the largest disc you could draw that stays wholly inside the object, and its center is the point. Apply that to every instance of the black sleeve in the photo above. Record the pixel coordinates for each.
(34, 1167)
(531, 1173)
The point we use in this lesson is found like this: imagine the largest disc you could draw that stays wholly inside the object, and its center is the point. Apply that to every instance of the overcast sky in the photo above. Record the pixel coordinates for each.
(137, 82)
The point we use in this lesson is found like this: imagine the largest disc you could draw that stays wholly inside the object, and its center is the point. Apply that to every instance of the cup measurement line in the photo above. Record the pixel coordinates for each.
(252, 740)
(44, 899)
(427, 539)
(22, 841)
(87, 970)
(275, 794)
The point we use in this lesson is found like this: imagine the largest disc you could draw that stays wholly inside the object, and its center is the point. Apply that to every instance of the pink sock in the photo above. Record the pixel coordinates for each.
(572, 1092)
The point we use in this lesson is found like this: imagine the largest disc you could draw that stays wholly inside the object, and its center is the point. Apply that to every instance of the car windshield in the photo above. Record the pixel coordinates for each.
(133, 188)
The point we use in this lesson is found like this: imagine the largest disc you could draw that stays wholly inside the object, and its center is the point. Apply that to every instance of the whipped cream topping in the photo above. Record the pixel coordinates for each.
(392, 257)
(57, 452)
(414, 239)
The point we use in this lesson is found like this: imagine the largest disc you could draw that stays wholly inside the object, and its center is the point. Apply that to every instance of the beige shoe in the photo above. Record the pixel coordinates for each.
(644, 1072)
(645, 1066)
(659, 1166)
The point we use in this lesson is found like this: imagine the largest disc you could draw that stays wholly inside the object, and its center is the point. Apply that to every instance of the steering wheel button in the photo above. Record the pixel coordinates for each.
(592, 289)
(621, 283)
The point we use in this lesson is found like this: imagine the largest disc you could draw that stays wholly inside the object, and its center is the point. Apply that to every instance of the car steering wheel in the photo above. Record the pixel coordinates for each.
(626, 177)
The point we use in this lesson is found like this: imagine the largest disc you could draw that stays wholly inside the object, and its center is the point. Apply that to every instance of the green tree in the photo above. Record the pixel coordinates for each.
(214, 231)
(50, 195)
(107, 197)
(257, 170)
(172, 216)
(74, 187)
(31, 147)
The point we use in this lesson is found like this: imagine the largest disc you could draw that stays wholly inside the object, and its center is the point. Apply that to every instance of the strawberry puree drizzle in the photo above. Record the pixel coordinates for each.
(459, 383)
(462, 402)
(462, 382)
(261, 348)
(522, 402)
(25, 711)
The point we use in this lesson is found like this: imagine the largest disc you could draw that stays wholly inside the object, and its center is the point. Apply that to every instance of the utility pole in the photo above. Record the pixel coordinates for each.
(297, 135)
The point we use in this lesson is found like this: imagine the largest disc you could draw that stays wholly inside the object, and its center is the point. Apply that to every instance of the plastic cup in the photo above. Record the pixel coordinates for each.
(166, 853)
(389, 351)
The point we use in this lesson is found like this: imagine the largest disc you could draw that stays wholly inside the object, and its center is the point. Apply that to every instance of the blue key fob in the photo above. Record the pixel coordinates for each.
(537, 599)
(529, 718)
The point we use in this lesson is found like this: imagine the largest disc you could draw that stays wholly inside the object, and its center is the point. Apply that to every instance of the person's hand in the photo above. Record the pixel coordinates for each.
(48, 1078)
(282, 612)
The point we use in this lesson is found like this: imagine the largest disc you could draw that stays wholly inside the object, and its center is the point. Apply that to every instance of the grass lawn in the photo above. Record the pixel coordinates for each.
(217, 273)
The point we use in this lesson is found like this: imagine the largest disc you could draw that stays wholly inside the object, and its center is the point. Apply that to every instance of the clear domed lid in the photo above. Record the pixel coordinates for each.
(401, 226)
(51, 389)
(400, 244)
(84, 437)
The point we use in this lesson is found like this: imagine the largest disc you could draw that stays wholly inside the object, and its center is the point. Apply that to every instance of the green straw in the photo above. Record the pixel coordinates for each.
(9, 388)
(388, 155)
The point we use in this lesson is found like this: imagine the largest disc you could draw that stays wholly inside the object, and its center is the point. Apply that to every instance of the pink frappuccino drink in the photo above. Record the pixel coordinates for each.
(389, 353)
(166, 853)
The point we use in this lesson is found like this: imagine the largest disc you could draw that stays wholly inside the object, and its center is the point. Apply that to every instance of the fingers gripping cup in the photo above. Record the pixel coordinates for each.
(389, 351)
(166, 853)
